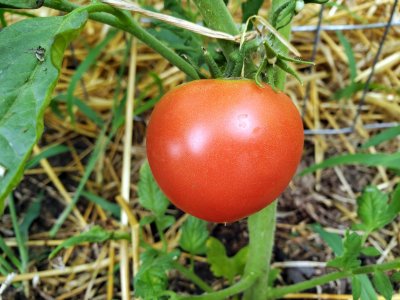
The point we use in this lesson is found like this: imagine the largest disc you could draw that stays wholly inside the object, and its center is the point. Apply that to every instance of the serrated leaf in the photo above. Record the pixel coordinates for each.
(370, 251)
(96, 234)
(194, 236)
(147, 220)
(382, 284)
(384, 136)
(352, 245)
(390, 161)
(165, 221)
(221, 265)
(374, 210)
(150, 195)
(333, 240)
(356, 287)
(28, 75)
(152, 279)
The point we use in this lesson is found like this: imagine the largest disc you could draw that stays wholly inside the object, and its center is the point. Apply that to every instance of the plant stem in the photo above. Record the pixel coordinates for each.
(280, 76)
(189, 274)
(133, 28)
(216, 15)
(245, 283)
(23, 252)
(162, 237)
(295, 288)
(262, 234)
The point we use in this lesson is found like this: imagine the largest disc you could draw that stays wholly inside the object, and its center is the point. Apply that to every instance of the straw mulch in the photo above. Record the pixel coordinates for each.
(326, 197)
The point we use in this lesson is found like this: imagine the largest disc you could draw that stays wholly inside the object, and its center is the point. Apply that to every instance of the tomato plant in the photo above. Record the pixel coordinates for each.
(224, 149)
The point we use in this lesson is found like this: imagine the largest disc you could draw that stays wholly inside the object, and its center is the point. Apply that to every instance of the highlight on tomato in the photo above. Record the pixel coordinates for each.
(223, 149)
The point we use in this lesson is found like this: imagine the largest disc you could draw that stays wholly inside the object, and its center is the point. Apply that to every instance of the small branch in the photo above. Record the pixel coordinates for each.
(133, 28)
(295, 288)
(245, 283)
(189, 274)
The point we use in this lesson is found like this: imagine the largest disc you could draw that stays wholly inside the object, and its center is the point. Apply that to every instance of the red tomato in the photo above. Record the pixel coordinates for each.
(224, 149)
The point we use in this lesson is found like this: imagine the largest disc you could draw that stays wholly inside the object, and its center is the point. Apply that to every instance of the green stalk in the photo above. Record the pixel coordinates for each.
(217, 16)
(262, 234)
(133, 28)
(295, 288)
(245, 283)
(189, 274)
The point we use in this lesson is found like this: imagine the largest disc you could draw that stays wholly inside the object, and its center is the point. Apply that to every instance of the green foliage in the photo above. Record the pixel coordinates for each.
(221, 264)
(26, 85)
(370, 251)
(391, 161)
(96, 234)
(51, 151)
(21, 3)
(382, 284)
(352, 246)
(374, 210)
(384, 136)
(150, 195)
(396, 277)
(250, 8)
(333, 240)
(194, 236)
(362, 288)
(152, 278)
(113, 208)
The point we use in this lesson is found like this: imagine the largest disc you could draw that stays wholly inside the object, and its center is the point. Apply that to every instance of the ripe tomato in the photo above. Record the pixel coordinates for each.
(224, 149)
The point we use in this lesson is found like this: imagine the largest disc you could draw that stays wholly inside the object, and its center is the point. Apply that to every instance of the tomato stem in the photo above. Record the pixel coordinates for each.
(216, 15)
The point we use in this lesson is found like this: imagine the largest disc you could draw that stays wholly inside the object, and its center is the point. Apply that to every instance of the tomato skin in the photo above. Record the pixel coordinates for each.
(224, 149)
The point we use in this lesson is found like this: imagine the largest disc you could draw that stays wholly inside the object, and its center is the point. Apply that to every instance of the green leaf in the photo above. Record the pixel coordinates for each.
(221, 265)
(152, 280)
(348, 91)
(356, 287)
(350, 55)
(352, 245)
(31, 55)
(150, 195)
(21, 3)
(194, 236)
(370, 251)
(367, 290)
(46, 153)
(165, 221)
(391, 161)
(382, 284)
(273, 276)
(23, 250)
(374, 210)
(147, 220)
(250, 8)
(396, 277)
(31, 215)
(113, 208)
(384, 136)
(95, 235)
(332, 239)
